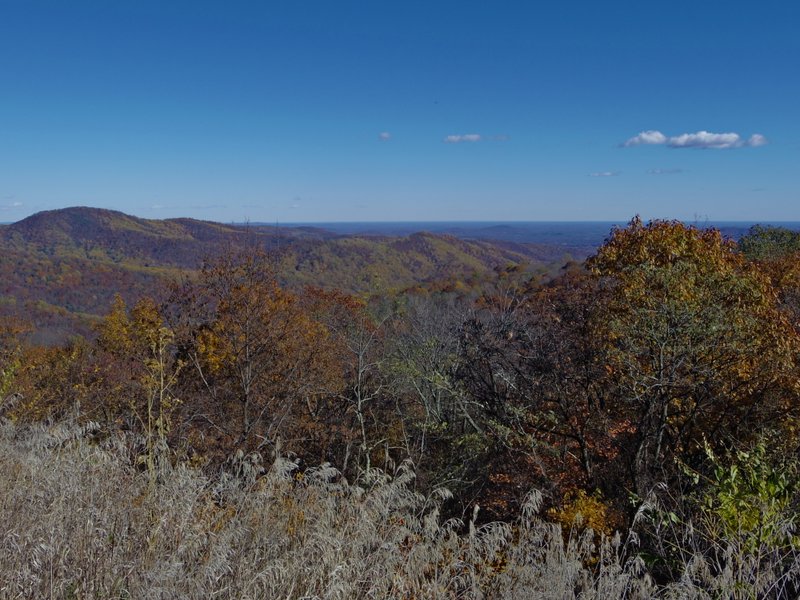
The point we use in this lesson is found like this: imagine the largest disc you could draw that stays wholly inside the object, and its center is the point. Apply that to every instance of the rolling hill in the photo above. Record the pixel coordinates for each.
(60, 269)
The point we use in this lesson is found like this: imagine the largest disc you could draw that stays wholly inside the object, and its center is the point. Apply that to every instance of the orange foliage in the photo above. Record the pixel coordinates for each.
(695, 341)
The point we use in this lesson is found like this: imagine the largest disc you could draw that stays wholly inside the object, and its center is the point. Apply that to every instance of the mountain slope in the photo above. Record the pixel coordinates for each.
(60, 269)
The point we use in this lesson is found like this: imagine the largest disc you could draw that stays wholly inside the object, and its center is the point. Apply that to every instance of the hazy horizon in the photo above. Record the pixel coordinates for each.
(569, 234)
(700, 220)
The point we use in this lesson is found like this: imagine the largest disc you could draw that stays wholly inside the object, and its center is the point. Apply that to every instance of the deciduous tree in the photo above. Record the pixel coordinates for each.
(259, 356)
(696, 345)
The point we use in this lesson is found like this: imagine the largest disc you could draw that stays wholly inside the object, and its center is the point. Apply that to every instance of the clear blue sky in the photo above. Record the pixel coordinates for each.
(378, 110)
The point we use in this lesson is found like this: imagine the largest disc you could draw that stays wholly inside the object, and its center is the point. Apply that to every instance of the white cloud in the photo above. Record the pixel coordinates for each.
(457, 139)
(384, 136)
(646, 137)
(705, 139)
(700, 139)
(604, 174)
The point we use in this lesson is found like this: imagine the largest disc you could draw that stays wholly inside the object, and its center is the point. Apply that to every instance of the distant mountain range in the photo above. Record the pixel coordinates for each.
(60, 269)
(580, 237)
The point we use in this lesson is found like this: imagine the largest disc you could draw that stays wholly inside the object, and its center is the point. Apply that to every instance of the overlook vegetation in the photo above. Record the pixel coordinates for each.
(626, 427)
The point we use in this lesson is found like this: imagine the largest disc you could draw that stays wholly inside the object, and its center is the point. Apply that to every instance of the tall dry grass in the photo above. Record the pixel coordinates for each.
(77, 520)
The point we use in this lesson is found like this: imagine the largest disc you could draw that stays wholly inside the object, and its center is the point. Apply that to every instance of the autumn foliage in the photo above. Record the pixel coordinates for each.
(597, 387)
(697, 345)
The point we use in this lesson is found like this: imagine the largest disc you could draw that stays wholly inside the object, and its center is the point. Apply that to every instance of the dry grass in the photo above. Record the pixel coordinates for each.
(78, 521)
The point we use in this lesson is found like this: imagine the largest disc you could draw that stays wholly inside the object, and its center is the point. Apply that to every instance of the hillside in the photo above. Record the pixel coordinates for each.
(110, 236)
(60, 269)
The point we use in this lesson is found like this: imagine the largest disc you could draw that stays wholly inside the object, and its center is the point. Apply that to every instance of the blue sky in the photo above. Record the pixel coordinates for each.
(346, 111)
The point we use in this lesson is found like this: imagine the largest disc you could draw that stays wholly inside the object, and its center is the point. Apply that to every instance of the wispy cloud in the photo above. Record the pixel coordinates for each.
(11, 205)
(664, 171)
(605, 174)
(384, 136)
(475, 137)
(700, 139)
(706, 139)
(459, 139)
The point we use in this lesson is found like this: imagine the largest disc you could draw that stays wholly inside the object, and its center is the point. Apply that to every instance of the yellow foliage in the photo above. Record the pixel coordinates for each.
(580, 511)
(695, 338)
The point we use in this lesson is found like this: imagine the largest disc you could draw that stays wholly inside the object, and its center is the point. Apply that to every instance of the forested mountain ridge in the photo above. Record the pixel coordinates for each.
(101, 234)
(61, 268)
